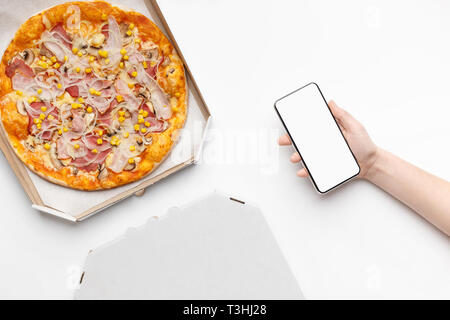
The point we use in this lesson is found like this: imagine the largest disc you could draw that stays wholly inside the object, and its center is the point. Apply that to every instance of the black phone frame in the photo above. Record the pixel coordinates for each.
(296, 148)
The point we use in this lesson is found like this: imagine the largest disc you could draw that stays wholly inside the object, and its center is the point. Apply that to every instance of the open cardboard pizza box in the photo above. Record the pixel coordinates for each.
(217, 247)
(77, 205)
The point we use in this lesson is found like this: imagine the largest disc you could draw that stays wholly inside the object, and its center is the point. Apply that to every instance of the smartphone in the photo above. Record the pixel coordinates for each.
(317, 137)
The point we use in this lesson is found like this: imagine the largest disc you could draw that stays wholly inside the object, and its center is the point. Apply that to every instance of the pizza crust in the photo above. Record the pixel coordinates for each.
(15, 124)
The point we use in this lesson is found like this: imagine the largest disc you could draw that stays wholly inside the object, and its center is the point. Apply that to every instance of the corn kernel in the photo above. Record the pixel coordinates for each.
(137, 40)
(66, 58)
(136, 127)
(50, 117)
(80, 54)
(59, 85)
(42, 116)
(75, 105)
(65, 129)
(141, 111)
(125, 57)
(107, 61)
(119, 98)
(126, 134)
(89, 109)
(141, 121)
(19, 93)
(134, 74)
(39, 91)
(131, 160)
(43, 64)
(121, 113)
(32, 99)
(56, 65)
(144, 64)
(123, 51)
(147, 124)
(143, 130)
(121, 65)
(94, 150)
(152, 63)
(81, 100)
(99, 141)
(76, 146)
(141, 117)
(53, 59)
(121, 119)
(100, 132)
(129, 33)
(36, 120)
(77, 69)
(104, 16)
(177, 94)
(75, 50)
(131, 85)
(145, 114)
(88, 70)
(59, 131)
(92, 91)
(47, 146)
(103, 53)
(97, 93)
(38, 126)
(131, 26)
(132, 148)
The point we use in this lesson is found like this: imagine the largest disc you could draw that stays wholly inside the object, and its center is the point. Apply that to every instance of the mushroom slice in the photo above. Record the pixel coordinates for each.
(29, 144)
(150, 106)
(43, 51)
(89, 120)
(27, 55)
(103, 172)
(54, 158)
(130, 166)
(97, 40)
(126, 38)
(147, 139)
(21, 107)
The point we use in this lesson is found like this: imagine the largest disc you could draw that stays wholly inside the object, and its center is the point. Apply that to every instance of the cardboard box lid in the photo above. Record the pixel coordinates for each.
(215, 248)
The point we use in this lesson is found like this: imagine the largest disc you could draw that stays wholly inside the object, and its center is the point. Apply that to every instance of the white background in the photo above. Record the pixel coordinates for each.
(386, 62)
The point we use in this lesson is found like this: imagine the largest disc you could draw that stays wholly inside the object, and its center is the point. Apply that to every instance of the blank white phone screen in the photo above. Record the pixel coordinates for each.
(317, 137)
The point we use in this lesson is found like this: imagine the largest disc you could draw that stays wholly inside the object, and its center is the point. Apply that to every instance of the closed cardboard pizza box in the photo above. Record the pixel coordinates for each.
(215, 248)
(75, 205)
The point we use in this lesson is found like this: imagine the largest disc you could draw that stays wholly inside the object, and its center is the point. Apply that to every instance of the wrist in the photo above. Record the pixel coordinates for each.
(376, 165)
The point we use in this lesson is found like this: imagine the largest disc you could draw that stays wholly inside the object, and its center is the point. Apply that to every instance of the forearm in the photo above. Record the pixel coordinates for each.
(423, 192)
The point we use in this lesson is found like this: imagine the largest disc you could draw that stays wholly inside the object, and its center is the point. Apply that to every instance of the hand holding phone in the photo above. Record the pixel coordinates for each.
(317, 138)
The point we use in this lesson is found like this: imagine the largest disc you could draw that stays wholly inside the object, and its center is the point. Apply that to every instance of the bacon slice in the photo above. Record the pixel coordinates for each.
(91, 160)
(60, 33)
(78, 123)
(118, 162)
(91, 143)
(153, 70)
(73, 91)
(18, 65)
(156, 125)
(160, 101)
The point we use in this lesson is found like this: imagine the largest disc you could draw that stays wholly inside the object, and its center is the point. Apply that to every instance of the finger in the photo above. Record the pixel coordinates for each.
(344, 118)
(284, 140)
(295, 157)
(302, 173)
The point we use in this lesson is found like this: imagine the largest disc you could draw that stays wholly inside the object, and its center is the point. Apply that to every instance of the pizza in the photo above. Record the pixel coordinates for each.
(92, 96)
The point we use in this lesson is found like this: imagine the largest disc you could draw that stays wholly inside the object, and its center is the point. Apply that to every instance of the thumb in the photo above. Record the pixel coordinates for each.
(344, 118)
